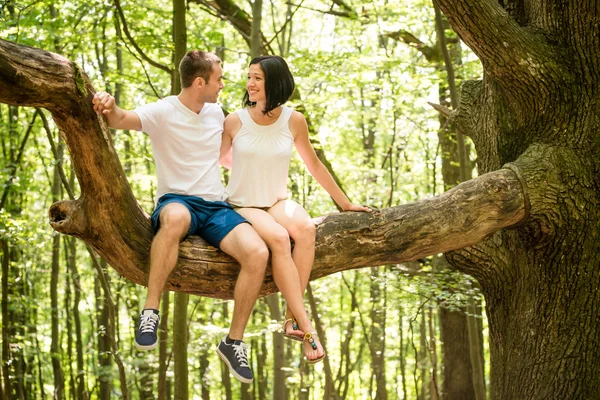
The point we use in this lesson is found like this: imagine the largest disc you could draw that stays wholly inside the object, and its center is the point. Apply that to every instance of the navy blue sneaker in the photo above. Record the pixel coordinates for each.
(145, 336)
(234, 353)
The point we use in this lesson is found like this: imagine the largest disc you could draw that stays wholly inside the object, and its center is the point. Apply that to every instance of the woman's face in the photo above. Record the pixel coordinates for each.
(256, 84)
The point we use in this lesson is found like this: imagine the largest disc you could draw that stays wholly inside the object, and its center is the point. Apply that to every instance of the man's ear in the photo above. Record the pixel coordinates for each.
(199, 81)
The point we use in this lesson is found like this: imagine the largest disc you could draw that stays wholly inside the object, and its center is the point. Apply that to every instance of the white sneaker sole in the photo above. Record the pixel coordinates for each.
(145, 348)
(235, 374)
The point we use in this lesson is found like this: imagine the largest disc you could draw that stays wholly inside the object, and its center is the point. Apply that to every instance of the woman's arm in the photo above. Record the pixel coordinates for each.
(299, 129)
(231, 127)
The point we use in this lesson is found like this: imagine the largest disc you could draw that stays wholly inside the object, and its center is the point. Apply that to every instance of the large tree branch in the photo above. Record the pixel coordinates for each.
(108, 218)
(516, 56)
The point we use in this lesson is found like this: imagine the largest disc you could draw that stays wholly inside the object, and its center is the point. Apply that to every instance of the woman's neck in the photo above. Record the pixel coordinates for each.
(258, 115)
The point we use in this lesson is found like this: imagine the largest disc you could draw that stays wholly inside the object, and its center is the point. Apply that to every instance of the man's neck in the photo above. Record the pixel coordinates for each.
(190, 100)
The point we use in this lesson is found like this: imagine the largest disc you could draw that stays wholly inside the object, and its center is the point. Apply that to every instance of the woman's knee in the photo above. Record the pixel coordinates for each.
(279, 241)
(305, 232)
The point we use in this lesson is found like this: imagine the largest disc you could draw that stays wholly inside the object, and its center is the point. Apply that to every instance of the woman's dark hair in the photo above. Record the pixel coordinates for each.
(279, 82)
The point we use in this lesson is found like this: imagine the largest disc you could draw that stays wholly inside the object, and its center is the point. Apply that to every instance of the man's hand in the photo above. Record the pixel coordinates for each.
(104, 103)
(117, 118)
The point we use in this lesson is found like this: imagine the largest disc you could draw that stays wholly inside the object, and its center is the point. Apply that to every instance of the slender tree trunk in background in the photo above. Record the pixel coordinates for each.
(329, 389)
(433, 356)
(204, 363)
(163, 335)
(279, 375)
(39, 369)
(180, 326)
(423, 358)
(15, 318)
(256, 33)
(55, 347)
(81, 389)
(225, 377)
(146, 382)
(403, 354)
(378, 354)
(69, 323)
(7, 387)
(180, 341)
(345, 367)
(476, 349)
(105, 369)
(261, 362)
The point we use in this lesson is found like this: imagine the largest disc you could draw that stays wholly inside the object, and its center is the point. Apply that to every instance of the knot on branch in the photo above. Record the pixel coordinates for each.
(68, 217)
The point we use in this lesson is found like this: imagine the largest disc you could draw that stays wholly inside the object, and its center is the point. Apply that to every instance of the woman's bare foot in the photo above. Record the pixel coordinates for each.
(313, 350)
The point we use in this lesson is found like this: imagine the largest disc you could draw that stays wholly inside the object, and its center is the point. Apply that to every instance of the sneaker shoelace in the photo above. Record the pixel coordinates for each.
(240, 354)
(147, 323)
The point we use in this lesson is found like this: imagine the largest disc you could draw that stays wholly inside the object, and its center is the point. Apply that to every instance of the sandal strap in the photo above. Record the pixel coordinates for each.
(287, 321)
(309, 337)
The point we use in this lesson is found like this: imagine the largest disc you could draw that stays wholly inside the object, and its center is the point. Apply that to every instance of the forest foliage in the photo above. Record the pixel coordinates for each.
(365, 72)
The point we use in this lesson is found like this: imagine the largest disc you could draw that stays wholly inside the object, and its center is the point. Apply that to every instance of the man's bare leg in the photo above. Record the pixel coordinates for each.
(244, 244)
(174, 225)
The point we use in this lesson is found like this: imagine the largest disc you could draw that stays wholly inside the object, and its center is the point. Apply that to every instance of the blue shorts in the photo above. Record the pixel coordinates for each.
(211, 220)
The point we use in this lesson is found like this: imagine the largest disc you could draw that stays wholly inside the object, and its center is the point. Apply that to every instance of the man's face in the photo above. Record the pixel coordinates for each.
(215, 84)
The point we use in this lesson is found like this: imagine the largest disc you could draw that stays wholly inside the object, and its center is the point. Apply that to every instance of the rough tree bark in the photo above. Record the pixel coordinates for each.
(537, 107)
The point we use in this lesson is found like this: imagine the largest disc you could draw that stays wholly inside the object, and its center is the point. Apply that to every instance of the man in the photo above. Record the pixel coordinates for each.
(185, 131)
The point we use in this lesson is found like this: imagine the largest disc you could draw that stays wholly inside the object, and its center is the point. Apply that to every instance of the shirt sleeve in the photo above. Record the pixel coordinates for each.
(152, 116)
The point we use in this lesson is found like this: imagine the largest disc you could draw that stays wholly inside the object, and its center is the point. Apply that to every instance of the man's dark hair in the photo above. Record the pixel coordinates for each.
(279, 82)
(196, 64)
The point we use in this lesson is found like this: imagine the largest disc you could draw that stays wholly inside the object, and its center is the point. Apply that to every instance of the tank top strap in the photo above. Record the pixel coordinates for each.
(245, 117)
(286, 114)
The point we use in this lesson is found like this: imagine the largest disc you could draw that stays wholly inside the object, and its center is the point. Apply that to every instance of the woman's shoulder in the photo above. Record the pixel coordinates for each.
(232, 123)
(233, 118)
(297, 118)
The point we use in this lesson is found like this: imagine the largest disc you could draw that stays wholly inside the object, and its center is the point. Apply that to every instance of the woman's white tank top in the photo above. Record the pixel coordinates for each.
(260, 161)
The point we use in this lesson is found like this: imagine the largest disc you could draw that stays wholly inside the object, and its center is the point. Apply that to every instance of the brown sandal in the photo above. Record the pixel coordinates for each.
(309, 337)
(294, 327)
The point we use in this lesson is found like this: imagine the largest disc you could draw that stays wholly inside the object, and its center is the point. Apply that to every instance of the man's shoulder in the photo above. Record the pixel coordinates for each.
(214, 108)
(165, 103)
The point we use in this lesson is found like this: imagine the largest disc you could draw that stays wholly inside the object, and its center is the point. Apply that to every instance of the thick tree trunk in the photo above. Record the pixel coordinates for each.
(537, 107)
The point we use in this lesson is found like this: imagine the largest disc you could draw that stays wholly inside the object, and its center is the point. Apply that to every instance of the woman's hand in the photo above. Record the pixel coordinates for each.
(356, 207)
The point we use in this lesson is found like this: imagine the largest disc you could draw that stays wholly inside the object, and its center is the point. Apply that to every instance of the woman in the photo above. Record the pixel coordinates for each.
(262, 136)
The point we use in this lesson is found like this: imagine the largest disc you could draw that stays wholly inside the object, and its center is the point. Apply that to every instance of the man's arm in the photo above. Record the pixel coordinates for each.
(116, 117)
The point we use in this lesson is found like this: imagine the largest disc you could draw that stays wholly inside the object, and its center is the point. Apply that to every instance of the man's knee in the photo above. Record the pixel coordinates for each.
(255, 256)
(175, 220)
